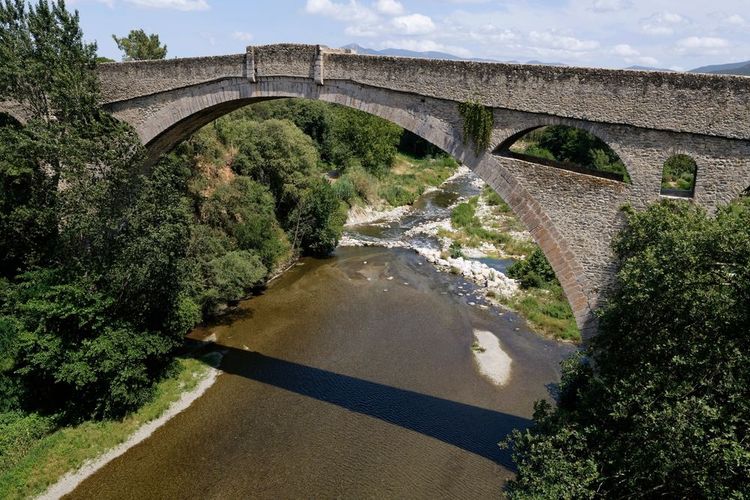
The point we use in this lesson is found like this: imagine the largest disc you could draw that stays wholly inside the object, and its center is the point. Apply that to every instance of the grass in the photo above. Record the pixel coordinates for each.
(402, 185)
(34, 455)
(410, 176)
(469, 231)
(547, 310)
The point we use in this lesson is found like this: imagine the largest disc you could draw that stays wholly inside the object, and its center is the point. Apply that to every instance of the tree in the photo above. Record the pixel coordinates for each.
(46, 67)
(138, 46)
(92, 303)
(666, 410)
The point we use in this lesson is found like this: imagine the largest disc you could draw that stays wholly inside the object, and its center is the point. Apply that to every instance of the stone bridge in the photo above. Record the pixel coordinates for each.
(645, 117)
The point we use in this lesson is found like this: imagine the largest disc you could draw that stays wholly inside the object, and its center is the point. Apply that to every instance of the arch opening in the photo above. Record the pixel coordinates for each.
(678, 176)
(355, 181)
(432, 120)
(567, 148)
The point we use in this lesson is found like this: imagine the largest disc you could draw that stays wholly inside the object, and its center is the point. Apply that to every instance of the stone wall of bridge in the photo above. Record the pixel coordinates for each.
(683, 102)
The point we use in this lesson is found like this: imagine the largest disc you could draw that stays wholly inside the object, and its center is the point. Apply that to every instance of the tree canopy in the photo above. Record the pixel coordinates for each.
(138, 46)
(666, 409)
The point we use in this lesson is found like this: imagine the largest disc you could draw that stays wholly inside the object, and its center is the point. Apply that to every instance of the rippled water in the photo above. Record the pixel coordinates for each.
(350, 377)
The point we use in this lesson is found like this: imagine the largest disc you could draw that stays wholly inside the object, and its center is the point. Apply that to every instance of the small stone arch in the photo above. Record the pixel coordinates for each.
(506, 149)
(679, 176)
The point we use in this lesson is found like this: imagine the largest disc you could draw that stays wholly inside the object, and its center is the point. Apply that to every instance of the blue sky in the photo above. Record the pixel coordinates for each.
(610, 33)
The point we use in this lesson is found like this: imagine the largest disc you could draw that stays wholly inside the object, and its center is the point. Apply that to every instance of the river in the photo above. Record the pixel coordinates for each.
(352, 376)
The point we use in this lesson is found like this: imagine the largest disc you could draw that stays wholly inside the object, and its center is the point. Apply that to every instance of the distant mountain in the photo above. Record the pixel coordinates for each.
(648, 68)
(401, 53)
(430, 54)
(739, 68)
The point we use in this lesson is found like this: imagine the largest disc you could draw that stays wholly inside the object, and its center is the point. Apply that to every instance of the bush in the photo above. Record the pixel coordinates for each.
(455, 250)
(344, 189)
(317, 222)
(235, 273)
(397, 196)
(666, 410)
(463, 215)
(534, 271)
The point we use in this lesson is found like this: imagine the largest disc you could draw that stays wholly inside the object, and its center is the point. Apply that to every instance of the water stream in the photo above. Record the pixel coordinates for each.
(354, 377)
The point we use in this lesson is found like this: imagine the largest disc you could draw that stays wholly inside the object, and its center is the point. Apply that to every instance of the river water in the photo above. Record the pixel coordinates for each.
(351, 377)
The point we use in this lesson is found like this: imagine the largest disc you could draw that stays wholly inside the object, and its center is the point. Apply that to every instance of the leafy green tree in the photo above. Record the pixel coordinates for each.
(139, 46)
(244, 210)
(534, 271)
(46, 67)
(93, 304)
(358, 138)
(233, 274)
(274, 153)
(666, 411)
(317, 221)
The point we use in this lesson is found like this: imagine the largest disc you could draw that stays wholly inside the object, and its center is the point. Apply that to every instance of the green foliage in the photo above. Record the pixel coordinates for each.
(358, 138)
(455, 250)
(494, 200)
(317, 221)
(573, 145)
(666, 410)
(464, 215)
(234, 273)
(46, 67)
(679, 173)
(345, 189)
(478, 124)
(138, 46)
(274, 153)
(18, 433)
(92, 307)
(244, 210)
(534, 271)
(397, 195)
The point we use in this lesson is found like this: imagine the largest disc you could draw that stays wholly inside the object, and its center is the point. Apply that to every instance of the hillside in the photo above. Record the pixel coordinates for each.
(739, 68)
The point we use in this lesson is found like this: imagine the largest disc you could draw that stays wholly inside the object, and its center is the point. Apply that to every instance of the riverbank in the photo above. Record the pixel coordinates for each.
(475, 236)
(53, 463)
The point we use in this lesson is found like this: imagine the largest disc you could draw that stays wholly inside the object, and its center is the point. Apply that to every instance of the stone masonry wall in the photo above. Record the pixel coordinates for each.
(644, 117)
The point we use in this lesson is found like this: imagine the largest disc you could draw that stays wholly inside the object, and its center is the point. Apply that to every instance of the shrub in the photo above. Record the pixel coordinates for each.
(665, 410)
(534, 271)
(463, 215)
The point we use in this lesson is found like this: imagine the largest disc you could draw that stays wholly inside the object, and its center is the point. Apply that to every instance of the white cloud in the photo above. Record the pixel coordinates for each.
(242, 36)
(703, 43)
(172, 4)
(351, 11)
(610, 5)
(413, 24)
(562, 42)
(389, 7)
(662, 23)
(625, 50)
(735, 20)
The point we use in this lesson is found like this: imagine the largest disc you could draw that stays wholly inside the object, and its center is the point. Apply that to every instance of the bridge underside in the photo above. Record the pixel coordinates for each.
(572, 216)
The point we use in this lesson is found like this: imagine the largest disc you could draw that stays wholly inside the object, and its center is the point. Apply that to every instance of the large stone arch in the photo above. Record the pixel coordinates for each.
(174, 115)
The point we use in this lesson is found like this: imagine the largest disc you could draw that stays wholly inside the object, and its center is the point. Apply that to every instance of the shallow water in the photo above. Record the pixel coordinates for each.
(351, 377)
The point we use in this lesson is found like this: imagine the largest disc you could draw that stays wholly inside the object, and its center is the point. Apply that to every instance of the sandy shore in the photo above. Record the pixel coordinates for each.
(71, 480)
(494, 363)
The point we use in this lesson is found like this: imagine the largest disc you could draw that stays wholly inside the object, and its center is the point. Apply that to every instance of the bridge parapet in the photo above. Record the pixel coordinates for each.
(716, 105)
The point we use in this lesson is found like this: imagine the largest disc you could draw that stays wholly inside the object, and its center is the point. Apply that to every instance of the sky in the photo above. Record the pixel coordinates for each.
(674, 34)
